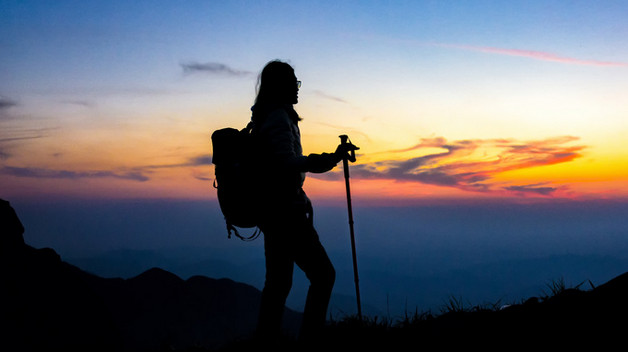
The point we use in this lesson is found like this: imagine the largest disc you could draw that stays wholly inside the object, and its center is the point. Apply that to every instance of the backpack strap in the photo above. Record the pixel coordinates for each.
(231, 228)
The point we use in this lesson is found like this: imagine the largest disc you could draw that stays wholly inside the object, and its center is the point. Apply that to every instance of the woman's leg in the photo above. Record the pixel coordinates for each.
(313, 260)
(279, 270)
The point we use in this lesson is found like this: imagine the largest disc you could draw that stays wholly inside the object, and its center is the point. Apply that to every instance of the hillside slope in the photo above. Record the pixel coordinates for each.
(48, 304)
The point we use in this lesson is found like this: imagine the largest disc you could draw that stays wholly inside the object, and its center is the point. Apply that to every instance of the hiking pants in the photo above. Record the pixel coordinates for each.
(294, 241)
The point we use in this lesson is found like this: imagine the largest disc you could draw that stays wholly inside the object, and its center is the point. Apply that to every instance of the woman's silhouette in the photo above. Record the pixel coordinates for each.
(287, 223)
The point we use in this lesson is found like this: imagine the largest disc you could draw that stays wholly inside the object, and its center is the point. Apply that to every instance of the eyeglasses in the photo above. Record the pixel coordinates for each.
(298, 84)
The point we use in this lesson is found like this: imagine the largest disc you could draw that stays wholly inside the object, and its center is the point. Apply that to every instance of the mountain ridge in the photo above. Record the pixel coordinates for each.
(49, 304)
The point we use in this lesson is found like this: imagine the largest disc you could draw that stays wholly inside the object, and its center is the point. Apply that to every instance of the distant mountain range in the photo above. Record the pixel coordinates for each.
(389, 290)
(48, 304)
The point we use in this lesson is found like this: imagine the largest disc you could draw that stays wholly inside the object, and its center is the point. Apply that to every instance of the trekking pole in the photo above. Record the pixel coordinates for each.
(345, 165)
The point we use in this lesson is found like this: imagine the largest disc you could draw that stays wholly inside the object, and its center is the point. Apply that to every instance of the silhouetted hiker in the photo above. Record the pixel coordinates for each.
(287, 216)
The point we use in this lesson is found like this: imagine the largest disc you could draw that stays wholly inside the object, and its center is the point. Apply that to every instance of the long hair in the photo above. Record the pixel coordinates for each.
(275, 87)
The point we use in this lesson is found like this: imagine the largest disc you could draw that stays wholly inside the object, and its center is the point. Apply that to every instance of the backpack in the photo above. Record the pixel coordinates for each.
(235, 170)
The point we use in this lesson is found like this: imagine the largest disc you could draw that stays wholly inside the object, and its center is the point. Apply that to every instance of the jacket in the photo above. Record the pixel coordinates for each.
(280, 155)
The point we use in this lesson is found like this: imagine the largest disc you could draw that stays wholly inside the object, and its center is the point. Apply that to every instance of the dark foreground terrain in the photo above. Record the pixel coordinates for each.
(570, 318)
(48, 304)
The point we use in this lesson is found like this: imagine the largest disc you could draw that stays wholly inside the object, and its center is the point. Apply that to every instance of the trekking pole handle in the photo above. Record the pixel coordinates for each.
(344, 139)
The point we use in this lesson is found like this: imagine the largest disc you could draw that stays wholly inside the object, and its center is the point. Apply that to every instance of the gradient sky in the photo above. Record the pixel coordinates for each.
(447, 99)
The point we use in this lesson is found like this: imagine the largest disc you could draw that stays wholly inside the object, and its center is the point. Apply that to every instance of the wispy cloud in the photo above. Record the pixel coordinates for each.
(199, 160)
(201, 174)
(329, 97)
(33, 172)
(19, 134)
(139, 173)
(525, 53)
(11, 138)
(537, 189)
(212, 68)
(471, 165)
(6, 103)
(533, 54)
(203, 177)
(81, 103)
(20, 138)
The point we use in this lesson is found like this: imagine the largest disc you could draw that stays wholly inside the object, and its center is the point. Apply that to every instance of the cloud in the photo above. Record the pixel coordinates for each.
(9, 135)
(81, 103)
(20, 138)
(6, 103)
(530, 54)
(10, 138)
(199, 160)
(536, 55)
(135, 174)
(212, 68)
(330, 97)
(534, 189)
(203, 178)
(33, 172)
(470, 165)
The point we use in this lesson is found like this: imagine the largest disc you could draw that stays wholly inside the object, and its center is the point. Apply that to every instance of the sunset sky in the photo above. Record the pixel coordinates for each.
(448, 100)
